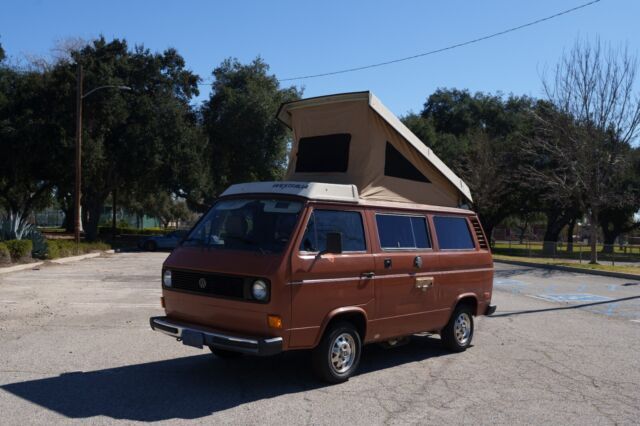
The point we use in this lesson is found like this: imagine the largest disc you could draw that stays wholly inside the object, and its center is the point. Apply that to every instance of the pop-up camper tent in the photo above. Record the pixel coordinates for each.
(352, 138)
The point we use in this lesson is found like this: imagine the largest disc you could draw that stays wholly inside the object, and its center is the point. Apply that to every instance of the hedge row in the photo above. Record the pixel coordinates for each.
(5, 256)
(106, 230)
(65, 248)
(17, 250)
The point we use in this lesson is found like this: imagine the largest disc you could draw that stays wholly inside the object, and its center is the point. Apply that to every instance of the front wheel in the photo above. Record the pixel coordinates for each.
(457, 334)
(337, 356)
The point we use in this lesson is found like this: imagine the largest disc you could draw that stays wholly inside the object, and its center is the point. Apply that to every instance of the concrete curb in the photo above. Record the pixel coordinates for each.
(60, 261)
(571, 269)
(22, 267)
(75, 258)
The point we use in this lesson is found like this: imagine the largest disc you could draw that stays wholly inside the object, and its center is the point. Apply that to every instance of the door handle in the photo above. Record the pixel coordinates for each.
(424, 283)
(368, 274)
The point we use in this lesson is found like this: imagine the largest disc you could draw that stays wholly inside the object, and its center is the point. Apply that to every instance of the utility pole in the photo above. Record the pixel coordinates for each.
(78, 219)
(79, 97)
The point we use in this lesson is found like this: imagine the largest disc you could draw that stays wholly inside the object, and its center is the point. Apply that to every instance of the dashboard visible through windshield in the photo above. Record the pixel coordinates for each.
(263, 225)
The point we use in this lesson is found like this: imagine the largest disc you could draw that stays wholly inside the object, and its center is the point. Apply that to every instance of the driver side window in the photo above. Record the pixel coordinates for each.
(346, 223)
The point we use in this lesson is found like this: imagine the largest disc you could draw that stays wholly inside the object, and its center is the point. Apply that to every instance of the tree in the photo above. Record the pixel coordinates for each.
(145, 140)
(550, 178)
(246, 141)
(478, 137)
(596, 116)
(162, 206)
(619, 219)
(27, 139)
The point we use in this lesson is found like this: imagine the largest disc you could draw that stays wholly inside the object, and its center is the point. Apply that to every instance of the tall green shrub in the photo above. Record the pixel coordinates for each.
(5, 256)
(19, 249)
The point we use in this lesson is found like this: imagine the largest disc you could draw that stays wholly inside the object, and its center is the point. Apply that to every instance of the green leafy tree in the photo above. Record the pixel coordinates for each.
(246, 142)
(27, 142)
(621, 218)
(162, 206)
(139, 141)
(479, 136)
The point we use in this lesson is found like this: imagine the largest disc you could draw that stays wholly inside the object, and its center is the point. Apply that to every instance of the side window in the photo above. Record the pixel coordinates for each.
(321, 222)
(402, 232)
(327, 153)
(453, 233)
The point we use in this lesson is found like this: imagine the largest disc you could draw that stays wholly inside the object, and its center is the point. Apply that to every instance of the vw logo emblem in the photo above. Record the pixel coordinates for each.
(202, 283)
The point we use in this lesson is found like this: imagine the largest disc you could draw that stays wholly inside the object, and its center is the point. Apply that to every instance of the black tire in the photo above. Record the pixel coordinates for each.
(150, 246)
(457, 337)
(346, 338)
(224, 354)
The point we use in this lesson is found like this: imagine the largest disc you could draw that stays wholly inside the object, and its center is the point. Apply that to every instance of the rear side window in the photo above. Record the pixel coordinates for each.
(328, 153)
(396, 165)
(453, 233)
(402, 232)
(321, 222)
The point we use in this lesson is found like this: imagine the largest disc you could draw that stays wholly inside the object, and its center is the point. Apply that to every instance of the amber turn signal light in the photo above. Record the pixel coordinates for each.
(274, 321)
(162, 301)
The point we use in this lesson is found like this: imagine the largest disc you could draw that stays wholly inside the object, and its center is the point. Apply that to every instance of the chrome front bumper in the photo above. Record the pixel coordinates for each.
(197, 336)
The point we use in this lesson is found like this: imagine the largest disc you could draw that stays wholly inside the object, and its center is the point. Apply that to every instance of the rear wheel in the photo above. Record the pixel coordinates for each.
(222, 353)
(337, 356)
(457, 334)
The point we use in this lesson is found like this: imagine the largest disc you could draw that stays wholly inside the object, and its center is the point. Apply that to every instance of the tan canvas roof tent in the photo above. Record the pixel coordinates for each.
(352, 138)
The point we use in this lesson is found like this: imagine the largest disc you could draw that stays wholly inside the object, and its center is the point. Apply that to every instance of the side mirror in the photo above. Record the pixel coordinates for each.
(334, 243)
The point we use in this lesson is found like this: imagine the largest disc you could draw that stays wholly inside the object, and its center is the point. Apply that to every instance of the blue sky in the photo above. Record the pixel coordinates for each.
(299, 38)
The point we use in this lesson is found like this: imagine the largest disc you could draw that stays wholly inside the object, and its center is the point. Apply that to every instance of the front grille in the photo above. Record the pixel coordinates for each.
(216, 285)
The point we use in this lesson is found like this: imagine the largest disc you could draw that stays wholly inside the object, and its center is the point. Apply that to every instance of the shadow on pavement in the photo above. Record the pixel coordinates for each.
(195, 386)
(562, 308)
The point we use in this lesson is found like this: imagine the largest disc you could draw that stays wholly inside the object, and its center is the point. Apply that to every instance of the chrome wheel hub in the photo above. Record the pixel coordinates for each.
(343, 353)
(462, 328)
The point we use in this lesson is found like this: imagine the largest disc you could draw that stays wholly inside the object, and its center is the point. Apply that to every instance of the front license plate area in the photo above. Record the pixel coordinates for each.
(192, 338)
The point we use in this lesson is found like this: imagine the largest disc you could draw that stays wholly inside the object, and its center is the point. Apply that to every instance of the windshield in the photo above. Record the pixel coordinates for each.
(263, 225)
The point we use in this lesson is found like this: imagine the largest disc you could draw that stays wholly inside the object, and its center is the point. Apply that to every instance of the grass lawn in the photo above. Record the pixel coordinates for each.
(627, 269)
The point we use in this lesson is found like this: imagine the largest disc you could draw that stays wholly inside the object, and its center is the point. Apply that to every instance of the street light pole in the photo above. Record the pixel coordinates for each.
(79, 98)
(78, 219)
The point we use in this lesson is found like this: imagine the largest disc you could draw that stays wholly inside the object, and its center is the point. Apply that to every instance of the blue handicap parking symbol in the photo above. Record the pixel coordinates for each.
(574, 298)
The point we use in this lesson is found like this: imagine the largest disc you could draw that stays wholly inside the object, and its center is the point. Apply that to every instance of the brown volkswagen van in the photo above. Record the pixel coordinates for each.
(279, 266)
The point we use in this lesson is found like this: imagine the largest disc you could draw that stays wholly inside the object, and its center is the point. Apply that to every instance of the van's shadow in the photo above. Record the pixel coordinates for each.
(195, 386)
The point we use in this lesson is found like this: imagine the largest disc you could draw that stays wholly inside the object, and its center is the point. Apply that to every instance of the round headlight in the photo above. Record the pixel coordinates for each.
(166, 278)
(259, 290)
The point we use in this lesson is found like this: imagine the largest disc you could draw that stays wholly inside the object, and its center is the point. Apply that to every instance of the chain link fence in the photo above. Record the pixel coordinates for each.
(579, 252)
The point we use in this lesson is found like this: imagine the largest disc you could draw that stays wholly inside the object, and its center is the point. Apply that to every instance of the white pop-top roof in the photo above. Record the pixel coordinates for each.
(310, 190)
(375, 104)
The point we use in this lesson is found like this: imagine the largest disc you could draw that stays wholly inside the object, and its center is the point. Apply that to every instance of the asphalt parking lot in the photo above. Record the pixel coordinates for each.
(75, 346)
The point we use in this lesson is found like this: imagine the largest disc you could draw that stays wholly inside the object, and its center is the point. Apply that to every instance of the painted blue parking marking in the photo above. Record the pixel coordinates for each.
(575, 297)
(507, 282)
(611, 309)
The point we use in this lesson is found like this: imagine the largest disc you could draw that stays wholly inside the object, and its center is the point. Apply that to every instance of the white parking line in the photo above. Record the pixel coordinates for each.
(533, 296)
(117, 305)
(638, 320)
